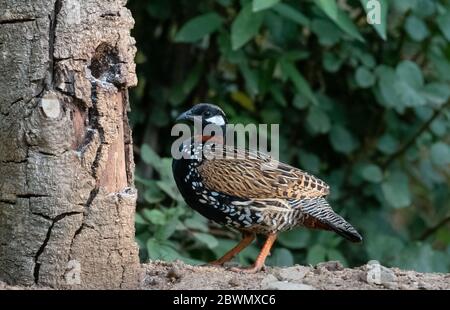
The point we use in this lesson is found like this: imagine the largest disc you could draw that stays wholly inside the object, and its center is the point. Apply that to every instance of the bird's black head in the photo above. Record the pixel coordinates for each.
(207, 113)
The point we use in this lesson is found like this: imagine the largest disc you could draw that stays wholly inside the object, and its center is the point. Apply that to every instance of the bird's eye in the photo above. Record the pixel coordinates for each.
(206, 113)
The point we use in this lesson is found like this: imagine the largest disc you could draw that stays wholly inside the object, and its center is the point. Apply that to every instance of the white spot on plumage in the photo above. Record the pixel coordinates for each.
(241, 203)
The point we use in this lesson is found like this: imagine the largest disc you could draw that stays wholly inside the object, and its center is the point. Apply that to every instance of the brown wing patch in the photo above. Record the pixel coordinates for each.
(255, 175)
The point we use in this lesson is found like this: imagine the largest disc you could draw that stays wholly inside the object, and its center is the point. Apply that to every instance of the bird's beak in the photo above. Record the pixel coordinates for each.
(185, 117)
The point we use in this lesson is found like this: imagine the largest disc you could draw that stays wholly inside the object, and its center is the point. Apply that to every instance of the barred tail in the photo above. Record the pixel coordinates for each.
(321, 215)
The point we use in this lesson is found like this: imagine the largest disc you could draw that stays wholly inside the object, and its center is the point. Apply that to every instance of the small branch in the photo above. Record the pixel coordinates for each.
(413, 138)
(433, 229)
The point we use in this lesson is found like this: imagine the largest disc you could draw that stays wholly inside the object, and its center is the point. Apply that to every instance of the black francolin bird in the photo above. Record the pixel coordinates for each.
(250, 191)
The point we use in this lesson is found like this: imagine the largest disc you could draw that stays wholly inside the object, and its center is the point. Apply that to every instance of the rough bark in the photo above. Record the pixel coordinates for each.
(67, 196)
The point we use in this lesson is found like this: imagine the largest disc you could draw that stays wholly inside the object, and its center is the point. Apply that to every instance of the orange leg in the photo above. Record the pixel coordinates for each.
(259, 263)
(246, 240)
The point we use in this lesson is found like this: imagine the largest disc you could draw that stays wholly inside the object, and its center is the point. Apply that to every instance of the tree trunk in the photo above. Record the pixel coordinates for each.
(67, 196)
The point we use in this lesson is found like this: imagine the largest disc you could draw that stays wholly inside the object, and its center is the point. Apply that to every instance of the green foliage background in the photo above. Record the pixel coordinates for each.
(363, 107)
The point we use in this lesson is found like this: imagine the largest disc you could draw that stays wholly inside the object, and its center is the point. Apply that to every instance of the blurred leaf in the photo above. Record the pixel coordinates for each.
(316, 254)
(181, 91)
(294, 56)
(342, 140)
(153, 194)
(327, 32)
(157, 250)
(298, 80)
(396, 190)
(309, 162)
(423, 258)
(277, 95)
(436, 93)
(155, 216)
(442, 67)
(208, 240)
(149, 156)
(329, 7)
(251, 79)
(170, 189)
(340, 17)
(409, 83)
(224, 2)
(367, 60)
(192, 79)
(364, 78)
(372, 173)
(416, 28)
(146, 182)
(270, 116)
(139, 219)
(387, 144)
(159, 10)
(300, 102)
(244, 101)
(402, 6)
(165, 231)
(440, 154)
(318, 120)
(281, 257)
(410, 72)
(259, 5)
(331, 62)
(386, 83)
(346, 24)
(443, 21)
(335, 255)
(197, 223)
(224, 245)
(384, 5)
(291, 13)
(424, 8)
(383, 247)
(198, 27)
(408, 96)
(165, 170)
(245, 26)
(295, 239)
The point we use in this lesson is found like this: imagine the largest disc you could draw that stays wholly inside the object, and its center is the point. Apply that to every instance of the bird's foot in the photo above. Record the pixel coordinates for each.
(251, 269)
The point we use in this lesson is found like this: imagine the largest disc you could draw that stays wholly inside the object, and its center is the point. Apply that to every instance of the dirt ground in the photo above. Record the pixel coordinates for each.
(325, 276)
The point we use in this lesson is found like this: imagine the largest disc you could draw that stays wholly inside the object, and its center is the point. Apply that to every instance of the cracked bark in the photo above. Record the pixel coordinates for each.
(67, 195)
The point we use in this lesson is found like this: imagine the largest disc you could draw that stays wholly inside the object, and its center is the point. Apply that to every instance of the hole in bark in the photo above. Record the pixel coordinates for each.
(105, 64)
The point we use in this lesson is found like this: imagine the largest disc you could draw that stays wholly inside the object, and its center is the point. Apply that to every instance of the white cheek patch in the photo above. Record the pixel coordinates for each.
(217, 120)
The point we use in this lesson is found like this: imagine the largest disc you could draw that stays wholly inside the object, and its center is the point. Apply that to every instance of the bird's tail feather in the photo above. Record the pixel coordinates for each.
(322, 216)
